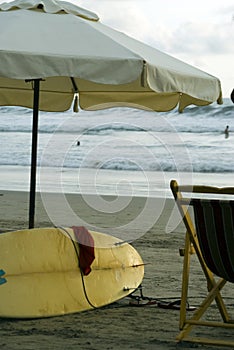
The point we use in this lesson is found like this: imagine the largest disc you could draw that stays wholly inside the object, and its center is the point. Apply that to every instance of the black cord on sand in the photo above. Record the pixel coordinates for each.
(165, 303)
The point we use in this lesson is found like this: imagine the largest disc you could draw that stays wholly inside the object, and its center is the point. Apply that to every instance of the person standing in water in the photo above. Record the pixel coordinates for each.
(226, 132)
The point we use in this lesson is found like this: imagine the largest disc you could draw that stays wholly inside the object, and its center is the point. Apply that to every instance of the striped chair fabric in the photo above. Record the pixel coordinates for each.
(214, 220)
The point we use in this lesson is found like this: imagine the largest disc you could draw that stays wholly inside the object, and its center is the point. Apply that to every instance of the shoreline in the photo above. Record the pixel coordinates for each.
(106, 182)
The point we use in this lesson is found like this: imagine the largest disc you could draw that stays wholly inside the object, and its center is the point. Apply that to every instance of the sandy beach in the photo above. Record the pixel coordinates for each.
(116, 326)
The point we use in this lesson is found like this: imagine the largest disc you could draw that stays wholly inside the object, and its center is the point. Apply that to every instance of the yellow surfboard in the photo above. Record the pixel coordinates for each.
(44, 277)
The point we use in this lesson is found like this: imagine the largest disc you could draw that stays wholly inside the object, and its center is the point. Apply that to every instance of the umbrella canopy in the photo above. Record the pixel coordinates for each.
(52, 51)
(73, 52)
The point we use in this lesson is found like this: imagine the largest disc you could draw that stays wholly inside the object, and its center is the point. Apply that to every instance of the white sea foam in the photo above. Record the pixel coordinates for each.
(126, 140)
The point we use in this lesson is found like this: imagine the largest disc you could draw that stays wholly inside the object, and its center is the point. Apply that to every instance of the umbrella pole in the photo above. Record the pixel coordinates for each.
(34, 152)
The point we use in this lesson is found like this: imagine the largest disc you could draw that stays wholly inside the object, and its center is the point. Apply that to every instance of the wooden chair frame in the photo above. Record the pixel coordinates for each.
(187, 324)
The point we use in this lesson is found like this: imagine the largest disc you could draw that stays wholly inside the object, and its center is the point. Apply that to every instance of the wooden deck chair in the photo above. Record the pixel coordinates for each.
(210, 233)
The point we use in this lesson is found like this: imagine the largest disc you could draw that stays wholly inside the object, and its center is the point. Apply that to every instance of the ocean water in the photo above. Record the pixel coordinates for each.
(121, 150)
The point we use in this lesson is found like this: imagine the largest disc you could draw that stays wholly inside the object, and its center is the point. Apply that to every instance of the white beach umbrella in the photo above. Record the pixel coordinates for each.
(52, 51)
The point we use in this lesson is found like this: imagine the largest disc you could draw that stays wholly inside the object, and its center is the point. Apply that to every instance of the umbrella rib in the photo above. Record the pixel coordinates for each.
(75, 88)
